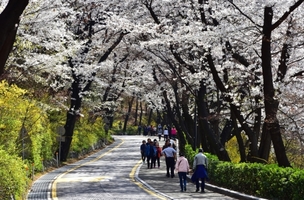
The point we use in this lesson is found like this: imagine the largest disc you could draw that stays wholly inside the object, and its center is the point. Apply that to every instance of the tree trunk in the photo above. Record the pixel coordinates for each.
(206, 136)
(9, 21)
(74, 112)
(69, 131)
(184, 120)
(271, 123)
(265, 144)
(187, 125)
(136, 113)
(141, 113)
(150, 116)
(72, 116)
(236, 110)
(130, 104)
(237, 132)
(226, 132)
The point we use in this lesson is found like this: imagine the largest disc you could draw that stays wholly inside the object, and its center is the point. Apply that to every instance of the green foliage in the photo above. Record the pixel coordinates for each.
(25, 133)
(24, 125)
(13, 176)
(294, 153)
(232, 148)
(268, 181)
(131, 130)
(296, 181)
(87, 133)
(189, 154)
(116, 128)
(29, 131)
(11, 106)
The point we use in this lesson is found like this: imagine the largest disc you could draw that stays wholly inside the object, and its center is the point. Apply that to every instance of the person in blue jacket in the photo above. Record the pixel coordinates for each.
(143, 151)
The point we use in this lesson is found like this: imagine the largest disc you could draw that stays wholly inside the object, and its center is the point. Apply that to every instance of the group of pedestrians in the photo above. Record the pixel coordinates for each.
(151, 152)
(165, 131)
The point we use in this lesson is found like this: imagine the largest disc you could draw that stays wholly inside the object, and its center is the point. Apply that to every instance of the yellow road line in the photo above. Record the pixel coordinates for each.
(132, 176)
(54, 184)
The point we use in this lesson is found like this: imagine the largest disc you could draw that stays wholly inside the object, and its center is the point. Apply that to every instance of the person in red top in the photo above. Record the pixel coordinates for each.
(173, 132)
(158, 153)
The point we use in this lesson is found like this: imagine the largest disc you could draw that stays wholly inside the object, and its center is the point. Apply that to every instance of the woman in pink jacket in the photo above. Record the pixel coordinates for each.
(173, 133)
(182, 167)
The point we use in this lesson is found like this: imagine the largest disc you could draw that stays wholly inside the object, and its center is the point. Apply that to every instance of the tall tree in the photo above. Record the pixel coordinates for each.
(9, 23)
(271, 123)
(187, 41)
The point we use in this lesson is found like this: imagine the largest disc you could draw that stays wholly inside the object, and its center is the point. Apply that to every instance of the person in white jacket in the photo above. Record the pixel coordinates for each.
(182, 167)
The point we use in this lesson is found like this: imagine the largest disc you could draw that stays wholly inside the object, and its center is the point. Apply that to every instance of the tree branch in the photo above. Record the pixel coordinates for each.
(114, 45)
(286, 14)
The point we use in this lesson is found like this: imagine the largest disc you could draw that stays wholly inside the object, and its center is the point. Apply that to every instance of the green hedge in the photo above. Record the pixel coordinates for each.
(266, 181)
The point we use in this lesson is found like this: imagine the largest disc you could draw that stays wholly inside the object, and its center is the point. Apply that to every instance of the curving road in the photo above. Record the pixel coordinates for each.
(107, 176)
(112, 173)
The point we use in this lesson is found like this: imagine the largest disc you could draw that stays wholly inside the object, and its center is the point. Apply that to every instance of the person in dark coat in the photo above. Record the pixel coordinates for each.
(200, 164)
(148, 152)
(143, 151)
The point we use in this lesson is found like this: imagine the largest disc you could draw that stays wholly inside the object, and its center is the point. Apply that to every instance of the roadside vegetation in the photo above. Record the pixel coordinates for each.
(227, 74)
(29, 139)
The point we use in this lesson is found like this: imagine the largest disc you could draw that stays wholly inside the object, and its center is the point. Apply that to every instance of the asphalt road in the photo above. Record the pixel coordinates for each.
(107, 176)
(115, 172)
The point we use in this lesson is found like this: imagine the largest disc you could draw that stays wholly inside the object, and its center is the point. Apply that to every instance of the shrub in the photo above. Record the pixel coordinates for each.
(13, 180)
(267, 181)
(87, 134)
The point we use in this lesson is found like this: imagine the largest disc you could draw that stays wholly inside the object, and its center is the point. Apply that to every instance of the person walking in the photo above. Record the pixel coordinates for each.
(166, 133)
(200, 164)
(170, 155)
(147, 152)
(172, 141)
(149, 130)
(153, 130)
(182, 167)
(153, 154)
(166, 144)
(173, 133)
(158, 154)
(143, 151)
(159, 131)
(145, 129)
(169, 130)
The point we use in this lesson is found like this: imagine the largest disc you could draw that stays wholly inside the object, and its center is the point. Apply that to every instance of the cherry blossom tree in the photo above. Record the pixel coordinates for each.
(232, 15)
(175, 55)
